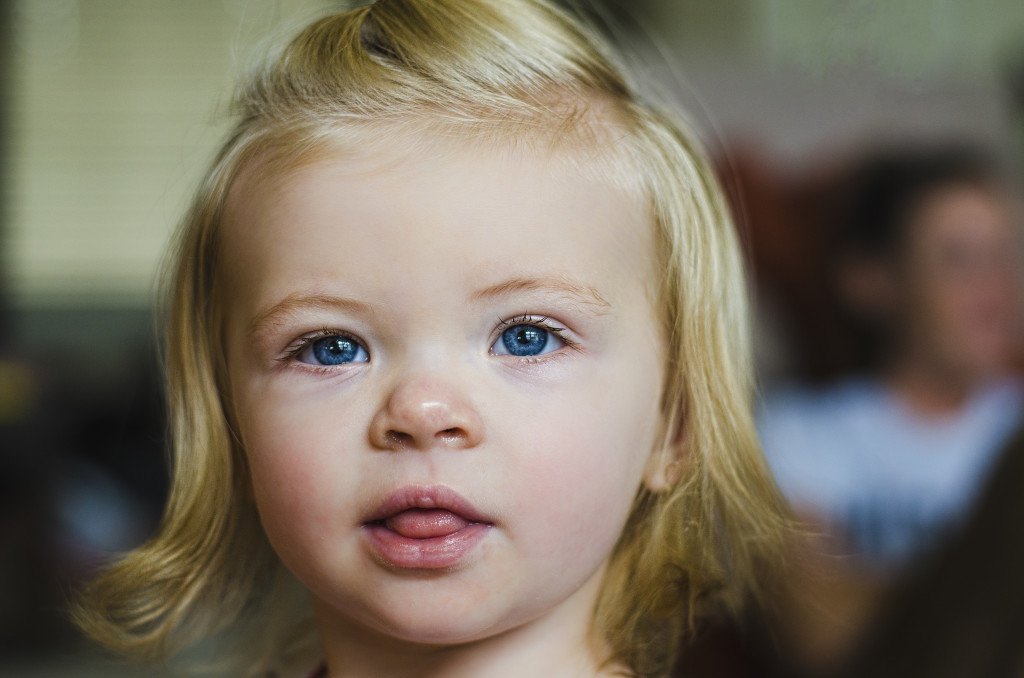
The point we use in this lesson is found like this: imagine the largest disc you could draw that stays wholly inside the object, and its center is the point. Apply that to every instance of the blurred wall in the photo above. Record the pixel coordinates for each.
(115, 105)
(116, 108)
(802, 78)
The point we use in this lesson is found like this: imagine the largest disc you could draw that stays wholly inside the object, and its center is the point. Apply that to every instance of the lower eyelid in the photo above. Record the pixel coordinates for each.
(535, 361)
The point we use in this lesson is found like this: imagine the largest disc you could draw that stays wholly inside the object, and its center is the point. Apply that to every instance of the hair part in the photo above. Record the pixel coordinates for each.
(504, 72)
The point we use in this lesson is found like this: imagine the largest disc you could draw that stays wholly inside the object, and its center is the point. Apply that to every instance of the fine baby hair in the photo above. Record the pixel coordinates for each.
(372, 105)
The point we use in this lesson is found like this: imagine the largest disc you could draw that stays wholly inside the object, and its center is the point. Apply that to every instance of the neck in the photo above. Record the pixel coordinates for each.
(558, 644)
(928, 391)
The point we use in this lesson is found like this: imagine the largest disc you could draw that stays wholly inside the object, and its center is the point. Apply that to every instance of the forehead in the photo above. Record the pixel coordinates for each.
(963, 214)
(595, 145)
(408, 206)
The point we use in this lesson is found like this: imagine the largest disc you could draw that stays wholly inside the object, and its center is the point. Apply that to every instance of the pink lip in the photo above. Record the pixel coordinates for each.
(438, 528)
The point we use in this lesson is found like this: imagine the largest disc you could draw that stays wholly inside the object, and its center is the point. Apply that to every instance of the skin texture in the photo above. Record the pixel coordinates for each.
(421, 256)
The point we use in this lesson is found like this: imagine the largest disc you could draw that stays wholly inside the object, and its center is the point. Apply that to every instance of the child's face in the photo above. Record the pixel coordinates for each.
(470, 332)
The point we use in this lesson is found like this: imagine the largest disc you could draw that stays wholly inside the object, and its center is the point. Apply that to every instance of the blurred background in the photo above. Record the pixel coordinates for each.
(110, 110)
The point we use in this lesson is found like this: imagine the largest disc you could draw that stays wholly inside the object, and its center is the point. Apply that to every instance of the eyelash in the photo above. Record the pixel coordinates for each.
(543, 322)
(300, 344)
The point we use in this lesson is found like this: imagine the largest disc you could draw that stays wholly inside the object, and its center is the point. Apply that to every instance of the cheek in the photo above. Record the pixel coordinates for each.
(950, 309)
(937, 301)
(289, 457)
(278, 448)
(582, 464)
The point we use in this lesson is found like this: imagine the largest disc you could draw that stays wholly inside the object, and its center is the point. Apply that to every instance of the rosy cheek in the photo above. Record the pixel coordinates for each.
(282, 462)
(579, 479)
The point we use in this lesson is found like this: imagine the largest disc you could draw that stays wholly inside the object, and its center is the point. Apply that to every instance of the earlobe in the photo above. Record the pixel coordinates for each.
(668, 459)
(665, 466)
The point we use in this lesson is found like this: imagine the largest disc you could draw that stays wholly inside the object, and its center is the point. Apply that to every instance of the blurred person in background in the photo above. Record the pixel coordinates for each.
(959, 612)
(883, 463)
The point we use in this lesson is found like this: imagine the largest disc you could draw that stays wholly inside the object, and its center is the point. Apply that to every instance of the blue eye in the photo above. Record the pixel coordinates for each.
(335, 349)
(526, 340)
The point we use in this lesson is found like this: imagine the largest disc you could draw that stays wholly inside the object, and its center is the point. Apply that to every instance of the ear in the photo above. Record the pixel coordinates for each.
(667, 462)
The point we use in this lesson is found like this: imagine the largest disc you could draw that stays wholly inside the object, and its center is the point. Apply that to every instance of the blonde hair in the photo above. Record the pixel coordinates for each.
(485, 67)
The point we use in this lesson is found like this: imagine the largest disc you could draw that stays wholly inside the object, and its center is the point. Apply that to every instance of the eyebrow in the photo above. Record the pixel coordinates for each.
(296, 303)
(584, 295)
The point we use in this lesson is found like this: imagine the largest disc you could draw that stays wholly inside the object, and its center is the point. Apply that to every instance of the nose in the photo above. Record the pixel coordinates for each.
(425, 412)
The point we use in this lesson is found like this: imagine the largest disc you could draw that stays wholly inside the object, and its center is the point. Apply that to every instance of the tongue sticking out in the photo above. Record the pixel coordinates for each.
(425, 523)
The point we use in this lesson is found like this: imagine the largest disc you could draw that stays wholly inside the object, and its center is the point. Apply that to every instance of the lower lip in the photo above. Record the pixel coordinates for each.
(423, 554)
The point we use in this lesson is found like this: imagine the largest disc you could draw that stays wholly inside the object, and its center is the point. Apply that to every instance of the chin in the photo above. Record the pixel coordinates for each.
(434, 631)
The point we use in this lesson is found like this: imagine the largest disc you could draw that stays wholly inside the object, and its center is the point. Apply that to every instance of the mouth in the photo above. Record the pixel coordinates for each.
(420, 527)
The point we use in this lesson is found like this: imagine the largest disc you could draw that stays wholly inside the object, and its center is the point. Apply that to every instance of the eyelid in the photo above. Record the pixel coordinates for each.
(298, 345)
(542, 321)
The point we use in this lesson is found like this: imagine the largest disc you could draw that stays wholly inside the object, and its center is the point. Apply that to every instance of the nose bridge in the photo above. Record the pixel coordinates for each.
(426, 408)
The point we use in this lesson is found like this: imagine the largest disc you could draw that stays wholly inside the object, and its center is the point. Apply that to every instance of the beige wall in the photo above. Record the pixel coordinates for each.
(904, 39)
(117, 104)
(802, 78)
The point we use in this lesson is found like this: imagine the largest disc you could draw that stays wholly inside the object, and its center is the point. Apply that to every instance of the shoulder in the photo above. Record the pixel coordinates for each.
(994, 414)
(1001, 399)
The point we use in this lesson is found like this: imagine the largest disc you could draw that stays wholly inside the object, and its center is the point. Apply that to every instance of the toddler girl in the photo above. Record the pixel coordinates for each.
(457, 368)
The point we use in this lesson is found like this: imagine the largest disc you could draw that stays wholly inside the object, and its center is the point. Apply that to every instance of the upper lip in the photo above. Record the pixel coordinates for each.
(426, 497)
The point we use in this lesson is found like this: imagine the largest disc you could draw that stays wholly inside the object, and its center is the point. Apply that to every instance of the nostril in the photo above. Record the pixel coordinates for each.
(452, 436)
(398, 439)
(454, 432)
